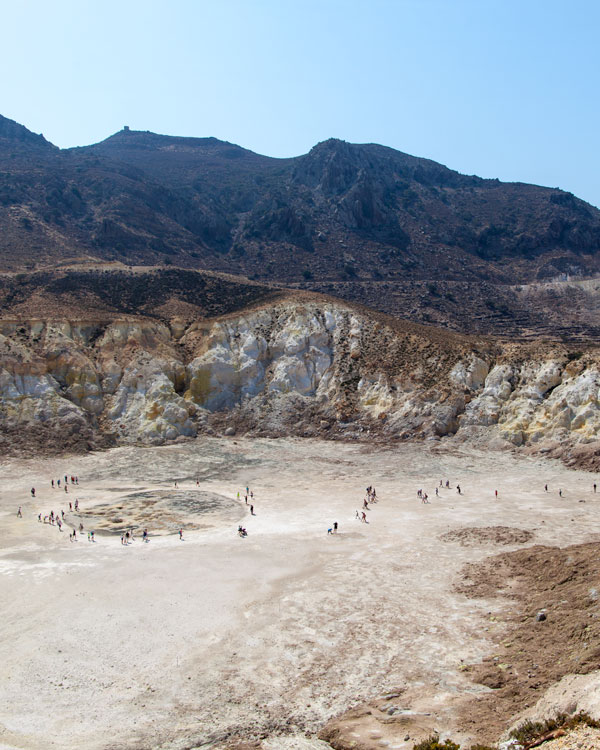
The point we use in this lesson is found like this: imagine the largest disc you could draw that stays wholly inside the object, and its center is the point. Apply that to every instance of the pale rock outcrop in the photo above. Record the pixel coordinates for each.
(470, 374)
(229, 369)
(239, 363)
(485, 409)
(30, 398)
(146, 408)
(292, 368)
(375, 396)
(573, 694)
(572, 407)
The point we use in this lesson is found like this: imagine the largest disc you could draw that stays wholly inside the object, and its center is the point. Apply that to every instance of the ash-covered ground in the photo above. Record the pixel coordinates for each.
(217, 638)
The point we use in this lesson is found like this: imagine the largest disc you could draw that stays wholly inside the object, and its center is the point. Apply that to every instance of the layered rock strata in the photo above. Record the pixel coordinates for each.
(310, 368)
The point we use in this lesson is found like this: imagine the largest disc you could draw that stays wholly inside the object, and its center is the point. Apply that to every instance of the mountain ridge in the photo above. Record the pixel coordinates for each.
(14, 132)
(348, 215)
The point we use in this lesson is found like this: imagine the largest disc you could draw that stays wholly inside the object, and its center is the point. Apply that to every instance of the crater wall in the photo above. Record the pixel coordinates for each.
(302, 369)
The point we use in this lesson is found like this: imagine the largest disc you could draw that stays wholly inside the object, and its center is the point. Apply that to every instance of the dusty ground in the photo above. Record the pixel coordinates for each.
(174, 644)
(550, 624)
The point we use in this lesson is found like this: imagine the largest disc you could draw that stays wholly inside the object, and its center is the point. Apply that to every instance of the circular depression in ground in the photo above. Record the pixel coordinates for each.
(160, 511)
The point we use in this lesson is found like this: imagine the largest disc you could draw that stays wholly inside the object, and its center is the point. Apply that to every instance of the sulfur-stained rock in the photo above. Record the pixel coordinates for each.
(289, 369)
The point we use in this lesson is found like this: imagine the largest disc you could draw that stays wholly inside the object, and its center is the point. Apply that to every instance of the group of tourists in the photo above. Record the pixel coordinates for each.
(369, 498)
(53, 518)
(127, 536)
(58, 519)
(424, 497)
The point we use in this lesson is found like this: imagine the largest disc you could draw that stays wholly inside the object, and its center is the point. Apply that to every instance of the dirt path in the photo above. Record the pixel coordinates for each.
(176, 643)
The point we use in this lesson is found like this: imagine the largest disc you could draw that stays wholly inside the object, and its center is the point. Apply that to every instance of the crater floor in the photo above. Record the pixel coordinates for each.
(175, 643)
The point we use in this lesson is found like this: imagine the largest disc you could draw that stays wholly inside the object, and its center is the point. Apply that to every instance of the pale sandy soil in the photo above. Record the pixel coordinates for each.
(173, 644)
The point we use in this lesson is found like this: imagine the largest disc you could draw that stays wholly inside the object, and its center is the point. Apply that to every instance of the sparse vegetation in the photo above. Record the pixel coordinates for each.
(433, 743)
(532, 731)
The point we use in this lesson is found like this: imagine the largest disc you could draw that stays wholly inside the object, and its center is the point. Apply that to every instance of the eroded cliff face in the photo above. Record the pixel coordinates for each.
(303, 369)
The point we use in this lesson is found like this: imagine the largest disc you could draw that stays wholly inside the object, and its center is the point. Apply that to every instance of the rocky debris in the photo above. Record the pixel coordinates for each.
(470, 537)
(548, 638)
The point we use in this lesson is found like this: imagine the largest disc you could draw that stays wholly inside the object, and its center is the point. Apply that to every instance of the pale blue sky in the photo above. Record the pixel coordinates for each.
(499, 88)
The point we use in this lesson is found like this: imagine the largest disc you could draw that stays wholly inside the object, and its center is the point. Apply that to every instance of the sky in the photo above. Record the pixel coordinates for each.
(497, 88)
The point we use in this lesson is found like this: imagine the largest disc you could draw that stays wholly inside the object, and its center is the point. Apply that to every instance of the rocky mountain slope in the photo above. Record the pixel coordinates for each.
(566, 309)
(271, 365)
(342, 212)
